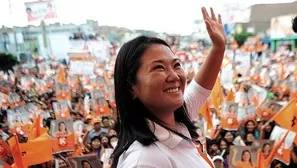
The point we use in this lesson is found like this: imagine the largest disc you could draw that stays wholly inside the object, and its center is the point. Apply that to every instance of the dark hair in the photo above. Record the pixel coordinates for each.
(132, 115)
(294, 24)
(100, 148)
(247, 151)
(60, 123)
(265, 144)
(85, 161)
(275, 162)
(294, 150)
(245, 127)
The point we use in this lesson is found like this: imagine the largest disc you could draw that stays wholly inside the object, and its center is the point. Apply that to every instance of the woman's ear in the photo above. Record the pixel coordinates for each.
(134, 91)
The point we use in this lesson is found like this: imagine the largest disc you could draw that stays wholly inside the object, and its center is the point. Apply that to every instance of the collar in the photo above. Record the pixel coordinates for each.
(167, 137)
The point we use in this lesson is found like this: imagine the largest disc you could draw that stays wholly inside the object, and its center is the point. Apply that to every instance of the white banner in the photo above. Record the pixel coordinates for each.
(82, 67)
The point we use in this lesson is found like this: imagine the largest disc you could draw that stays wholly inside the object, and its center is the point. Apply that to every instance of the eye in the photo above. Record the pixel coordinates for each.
(177, 65)
(159, 67)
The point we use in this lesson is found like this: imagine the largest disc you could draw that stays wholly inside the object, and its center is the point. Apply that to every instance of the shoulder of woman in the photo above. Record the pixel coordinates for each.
(139, 156)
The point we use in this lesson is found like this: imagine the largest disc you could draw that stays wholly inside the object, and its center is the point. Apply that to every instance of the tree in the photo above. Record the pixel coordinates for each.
(7, 61)
(242, 37)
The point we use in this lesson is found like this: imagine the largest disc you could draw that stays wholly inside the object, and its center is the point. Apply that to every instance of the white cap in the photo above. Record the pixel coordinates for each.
(218, 157)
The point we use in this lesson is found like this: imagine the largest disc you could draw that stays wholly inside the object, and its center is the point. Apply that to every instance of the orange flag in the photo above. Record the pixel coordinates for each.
(36, 130)
(274, 149)
(216, 96)
(31, 153)
(36, 152)
(5, 149)
(230, 96)
(16, 151)
(206, 113)
(287, 117)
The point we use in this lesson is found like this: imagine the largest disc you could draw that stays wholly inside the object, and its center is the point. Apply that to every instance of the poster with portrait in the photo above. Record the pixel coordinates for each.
(63, 92)
(88, 83)
(100, 83)
(268, 108)
(62, 134)
(247, 113)
(79, 131)
(242, 156)
(229, 119)
(86, 161)
(264, 146)
(61, 109)
(73, 81)
(40, 10)
(256, 95)
(40, 86)
(18, 119)
(100, 105)
(284, 152)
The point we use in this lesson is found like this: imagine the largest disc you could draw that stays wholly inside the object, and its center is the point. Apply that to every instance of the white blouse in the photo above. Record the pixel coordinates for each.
(171, 151)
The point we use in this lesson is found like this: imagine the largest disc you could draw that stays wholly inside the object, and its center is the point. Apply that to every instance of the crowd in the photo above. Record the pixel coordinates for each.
(78, 112)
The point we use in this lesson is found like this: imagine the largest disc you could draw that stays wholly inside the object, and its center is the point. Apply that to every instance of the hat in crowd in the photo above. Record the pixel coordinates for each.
(218, 157)
(96, 121)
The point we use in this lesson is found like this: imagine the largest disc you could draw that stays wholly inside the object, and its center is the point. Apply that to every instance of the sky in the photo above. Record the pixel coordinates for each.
(173, 16)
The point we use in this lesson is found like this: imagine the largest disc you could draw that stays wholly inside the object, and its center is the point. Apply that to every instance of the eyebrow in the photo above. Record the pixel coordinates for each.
(162, 61)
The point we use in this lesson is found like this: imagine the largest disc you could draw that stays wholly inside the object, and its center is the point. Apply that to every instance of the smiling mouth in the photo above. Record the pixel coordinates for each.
(172, 90)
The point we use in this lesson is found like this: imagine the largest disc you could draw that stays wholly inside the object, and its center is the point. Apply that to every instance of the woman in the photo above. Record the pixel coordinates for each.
(251, 127)
(62, 134)
(153, 113)
(246, 159)
(266, 149)
(96, 147)
(85, 164)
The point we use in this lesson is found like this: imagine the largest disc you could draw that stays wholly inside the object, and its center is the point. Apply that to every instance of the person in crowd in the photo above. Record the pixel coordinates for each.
(266, 149)
(112, 132)
(246, 159)
(294, 24)
(86, 164)
(96, 131)
(218, 161)
(96, 146)
(154, 109)
(277, 164)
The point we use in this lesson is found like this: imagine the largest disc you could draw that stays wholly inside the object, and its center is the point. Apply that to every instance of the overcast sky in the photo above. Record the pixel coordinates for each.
(160, 15)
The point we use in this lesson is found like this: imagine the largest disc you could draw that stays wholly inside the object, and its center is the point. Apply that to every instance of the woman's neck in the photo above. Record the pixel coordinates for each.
(167, 118)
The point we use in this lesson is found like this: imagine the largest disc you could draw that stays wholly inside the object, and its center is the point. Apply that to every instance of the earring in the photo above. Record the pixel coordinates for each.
(134, 97)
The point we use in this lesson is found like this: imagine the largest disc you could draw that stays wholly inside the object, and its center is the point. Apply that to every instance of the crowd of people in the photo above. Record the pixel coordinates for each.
(238, 121)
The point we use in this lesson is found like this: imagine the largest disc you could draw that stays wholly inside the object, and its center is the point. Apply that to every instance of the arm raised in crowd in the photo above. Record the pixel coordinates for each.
(208, 73)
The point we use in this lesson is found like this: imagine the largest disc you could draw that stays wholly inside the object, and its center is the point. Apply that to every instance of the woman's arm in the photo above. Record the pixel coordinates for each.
(199, 90)
(208, 72)
(233, 160)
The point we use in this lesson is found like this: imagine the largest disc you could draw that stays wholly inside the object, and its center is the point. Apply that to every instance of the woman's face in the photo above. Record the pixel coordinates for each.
(250, 126)
(112, 132)
(250, 137)
(232, 109)
(223, 145)
(229, 137)
(104, 140)
(266, 148)
(62, 127)
(246, 156)
(160, 80)
(86, 165)
(96, 144)
(80, 128)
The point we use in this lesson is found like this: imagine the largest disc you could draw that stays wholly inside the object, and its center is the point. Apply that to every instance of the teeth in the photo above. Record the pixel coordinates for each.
(172, 90)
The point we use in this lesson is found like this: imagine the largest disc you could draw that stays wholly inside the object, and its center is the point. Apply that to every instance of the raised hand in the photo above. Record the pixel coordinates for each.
(214, 28)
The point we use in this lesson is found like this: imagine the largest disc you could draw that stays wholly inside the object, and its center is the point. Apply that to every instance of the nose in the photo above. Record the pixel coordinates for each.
(172, 76)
